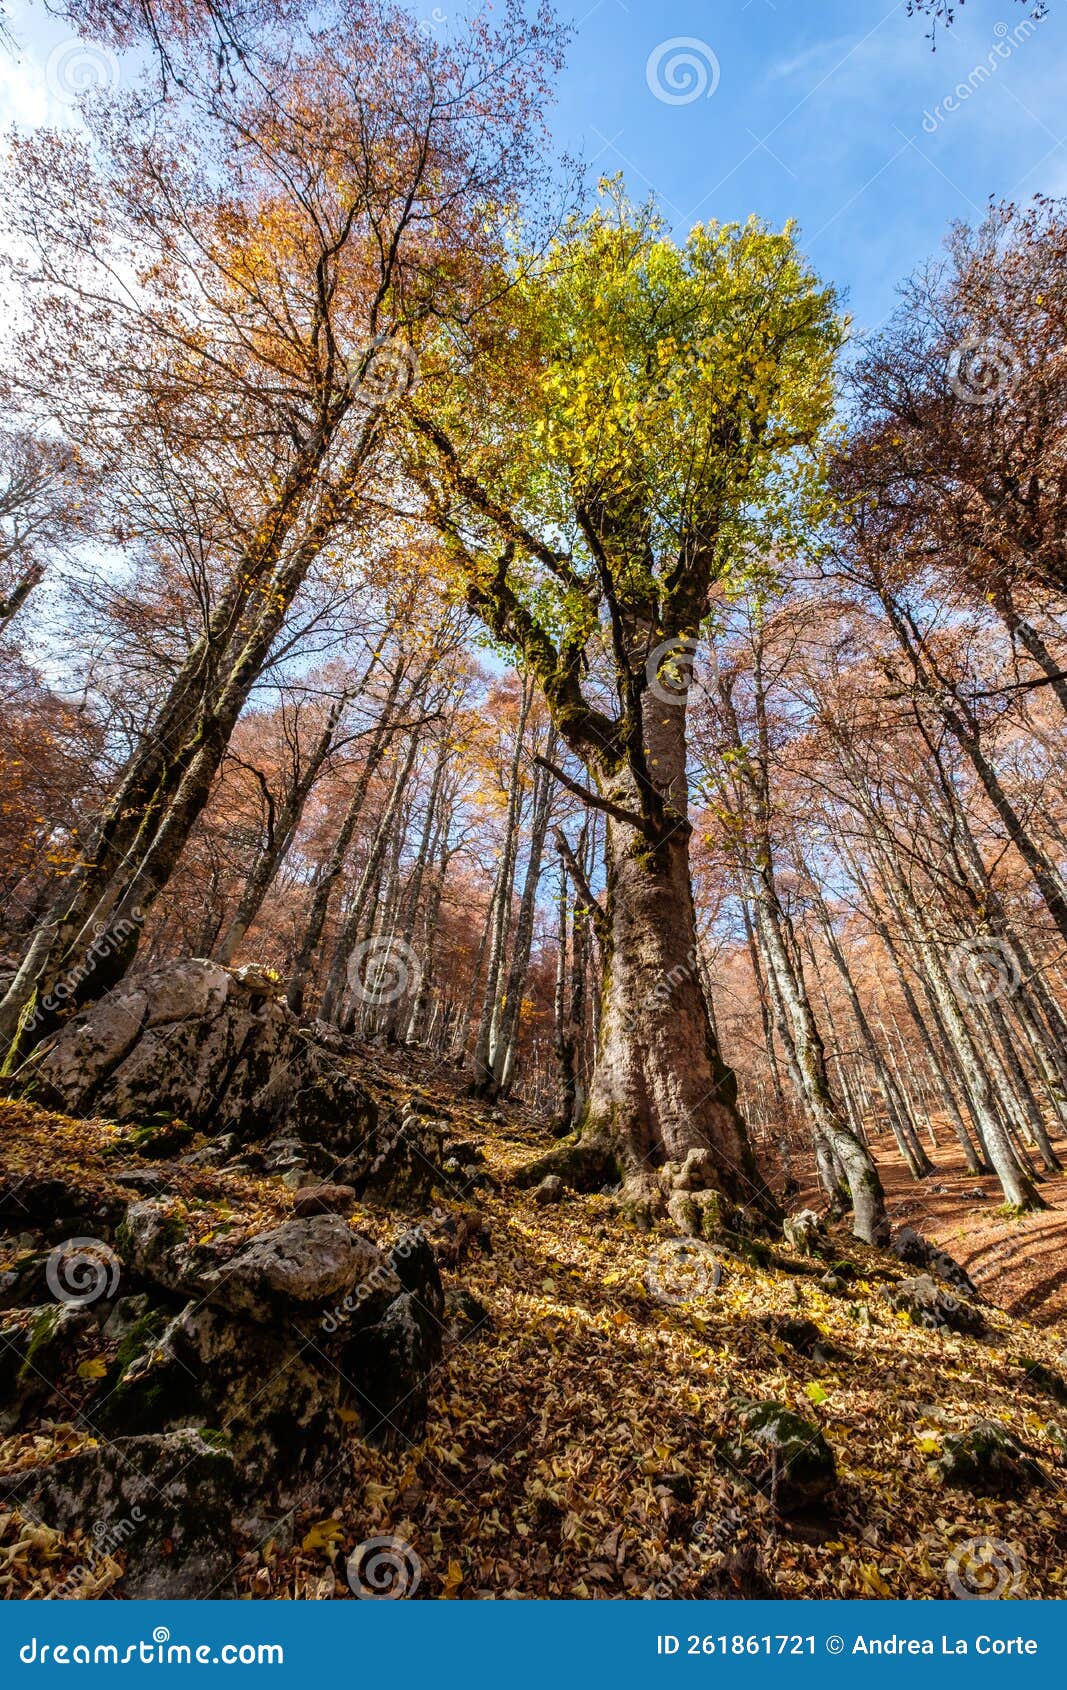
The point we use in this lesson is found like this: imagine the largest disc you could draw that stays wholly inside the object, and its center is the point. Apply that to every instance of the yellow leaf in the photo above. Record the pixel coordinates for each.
(323, 1536)
(452, 1581)
(873, 1579)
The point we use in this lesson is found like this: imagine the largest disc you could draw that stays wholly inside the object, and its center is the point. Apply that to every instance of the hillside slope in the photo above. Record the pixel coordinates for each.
(586, 1432)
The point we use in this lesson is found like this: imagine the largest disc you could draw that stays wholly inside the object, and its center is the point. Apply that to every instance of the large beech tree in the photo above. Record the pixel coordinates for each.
(649, 423)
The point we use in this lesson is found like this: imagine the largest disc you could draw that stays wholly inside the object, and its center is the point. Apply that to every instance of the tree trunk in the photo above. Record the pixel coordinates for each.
(865, 1188)
(507, 1039)
(660, 1087)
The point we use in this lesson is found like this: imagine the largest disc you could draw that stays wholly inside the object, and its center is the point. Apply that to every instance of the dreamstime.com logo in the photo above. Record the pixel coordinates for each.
(155, 1651)
(681, 1270)
(78, 68)
(383, 1569)
(82, 1270)
(1003, 48)
(389, 370)
(984, 1570)
(982, 369)
(382, 971)
(682, 70)
(983, 968)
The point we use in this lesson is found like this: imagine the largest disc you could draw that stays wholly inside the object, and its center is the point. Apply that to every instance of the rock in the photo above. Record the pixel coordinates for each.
(801, 1335)
(263, 982)
(926, 1303)
(990, 1459)
(458, 1234)
(415, 1266)
(56, 1207)
(39, 1354)
(804, 1233)
(1044, 1378)
(202, 1043)
(463, 1151)
(276, 1396)
(25, 1282)
(389, 1366)
(325, 1200)
(158, 1138)
(300, 1179)
(465, 1315)
(279, 1332)
(126, 1314)
(549, 1191)
(835, 1283)
(151, 1182)
(785, 1456)
(407, 1167)
(298, 1268)
(165, 1501)
(909, 1246)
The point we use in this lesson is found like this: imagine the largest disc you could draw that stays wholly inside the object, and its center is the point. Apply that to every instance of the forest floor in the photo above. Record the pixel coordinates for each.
(574, 1446)
(1019, 1264)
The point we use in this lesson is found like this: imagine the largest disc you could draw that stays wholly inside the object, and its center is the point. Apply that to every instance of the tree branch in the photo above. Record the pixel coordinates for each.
(630, 817)
(597, 913)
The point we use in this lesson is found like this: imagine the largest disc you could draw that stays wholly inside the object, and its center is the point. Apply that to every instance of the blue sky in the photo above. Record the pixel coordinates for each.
(829, 111)
(818, 114)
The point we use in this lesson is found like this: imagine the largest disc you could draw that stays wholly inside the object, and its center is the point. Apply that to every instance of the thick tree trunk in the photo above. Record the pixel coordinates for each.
(660, 1086)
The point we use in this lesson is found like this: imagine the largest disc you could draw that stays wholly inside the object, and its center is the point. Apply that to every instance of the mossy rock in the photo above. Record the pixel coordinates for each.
(24, 1284)
(142, 1391)
(990, 1459)
(167, 1499)
(1044, 1379)
(926, 1302)
(39, 1359)
(158, 1138)
(781, 1454)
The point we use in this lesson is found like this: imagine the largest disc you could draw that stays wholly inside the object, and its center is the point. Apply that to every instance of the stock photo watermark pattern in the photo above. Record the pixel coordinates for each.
(682, 70)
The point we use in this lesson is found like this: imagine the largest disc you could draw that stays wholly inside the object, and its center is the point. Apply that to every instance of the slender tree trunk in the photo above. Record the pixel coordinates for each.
(336, 988)
(280, 835)
(483, 1084)
(506, 1049)
(331, 873)
(865, 1188)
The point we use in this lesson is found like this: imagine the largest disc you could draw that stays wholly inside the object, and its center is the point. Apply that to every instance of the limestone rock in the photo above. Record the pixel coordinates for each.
(297, 1268)
(911, 1247)
(389, 1366)
(549, 1191)
(927, 1303)
(39, 1355)
(990, 1459)
(785, 1456)
(804, 1232)
(324, 1200)
(213, 1047)
(165, 1500)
